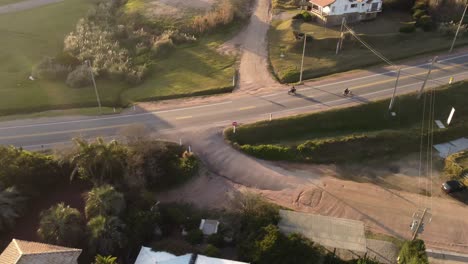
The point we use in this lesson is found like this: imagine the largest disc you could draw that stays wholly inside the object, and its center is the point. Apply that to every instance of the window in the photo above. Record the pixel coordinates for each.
(353, 5)
(345, 7)
(333, 9)
(363, 4)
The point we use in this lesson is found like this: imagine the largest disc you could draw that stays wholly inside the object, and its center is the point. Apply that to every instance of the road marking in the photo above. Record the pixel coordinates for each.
(113, 117)
(183, 117)
(247, 108)
(63, 132)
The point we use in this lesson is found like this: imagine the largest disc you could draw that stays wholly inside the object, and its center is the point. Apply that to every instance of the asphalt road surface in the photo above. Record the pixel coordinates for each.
(43, 133)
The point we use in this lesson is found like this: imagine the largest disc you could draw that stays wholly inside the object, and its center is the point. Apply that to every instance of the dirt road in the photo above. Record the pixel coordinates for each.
(383, 210)
(253, 69)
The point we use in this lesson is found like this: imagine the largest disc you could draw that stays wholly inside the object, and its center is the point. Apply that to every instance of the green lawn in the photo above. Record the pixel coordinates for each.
(321, 60)
(6, 2)
(29, 35)
(357, 133)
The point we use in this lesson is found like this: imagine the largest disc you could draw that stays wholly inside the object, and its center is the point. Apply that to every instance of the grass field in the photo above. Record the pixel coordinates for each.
(321, 60)
(29, 35)
(357, 133)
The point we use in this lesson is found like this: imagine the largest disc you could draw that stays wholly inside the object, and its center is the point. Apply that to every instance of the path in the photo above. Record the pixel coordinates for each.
(253, 69)
(316, 191)
(25, 5)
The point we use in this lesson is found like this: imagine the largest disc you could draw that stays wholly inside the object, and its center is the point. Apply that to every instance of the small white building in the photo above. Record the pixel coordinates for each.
(331, 12)
(209, 227)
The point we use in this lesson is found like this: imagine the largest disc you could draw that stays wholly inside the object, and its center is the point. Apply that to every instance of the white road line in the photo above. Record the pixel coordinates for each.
(208, 105)
(112, 117)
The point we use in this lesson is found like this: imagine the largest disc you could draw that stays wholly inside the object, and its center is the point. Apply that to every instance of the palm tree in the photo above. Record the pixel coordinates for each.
(98, 162)
(104, 200)
(61, 225)
(105, 260)
(106, 234)
(12, 204)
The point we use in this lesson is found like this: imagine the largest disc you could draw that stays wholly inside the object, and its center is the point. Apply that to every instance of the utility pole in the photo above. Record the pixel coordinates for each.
(394, 90)
(303, 54)
(94, 84)
(427, 76)
(340, 40)
(458, 29)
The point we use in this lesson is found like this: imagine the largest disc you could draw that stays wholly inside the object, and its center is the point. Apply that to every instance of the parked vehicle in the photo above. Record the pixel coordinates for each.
(453, 186)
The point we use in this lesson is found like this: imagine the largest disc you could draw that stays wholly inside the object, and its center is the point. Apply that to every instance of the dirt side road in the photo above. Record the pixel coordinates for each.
(383, 210)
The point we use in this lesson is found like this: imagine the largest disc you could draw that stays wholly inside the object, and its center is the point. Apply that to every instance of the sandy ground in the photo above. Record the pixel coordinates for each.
(316, 189)
(25, 5)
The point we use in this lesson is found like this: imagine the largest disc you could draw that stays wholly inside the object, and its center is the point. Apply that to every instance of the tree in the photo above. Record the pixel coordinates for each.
(105, 260)
(413, 252)
(12, 204)
(273, 247)
(99, 162)
(104, 200)
(61, 225)
(106, 234)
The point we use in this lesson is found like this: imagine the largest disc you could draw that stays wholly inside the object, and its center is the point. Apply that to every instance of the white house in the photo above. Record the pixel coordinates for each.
(148, 256)
(331, 12)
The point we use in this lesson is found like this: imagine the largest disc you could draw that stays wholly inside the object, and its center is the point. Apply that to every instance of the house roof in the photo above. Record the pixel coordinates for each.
(20, 251)
(148, 256)
(322, 2)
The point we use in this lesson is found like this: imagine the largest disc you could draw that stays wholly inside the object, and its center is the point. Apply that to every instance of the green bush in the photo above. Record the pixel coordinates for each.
(409, 28)
(418, 13)
(50, 69)
(289, 76)
(413, 252)
(216, 240)
(419, 5)
(453, 169)
(426, 23)
(211, 251)
(80, 77)
(268, 152)
(298, 16)
(195, 237)
(306, 16)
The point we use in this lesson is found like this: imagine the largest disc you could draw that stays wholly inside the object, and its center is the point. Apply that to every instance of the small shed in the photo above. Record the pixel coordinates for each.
(209, 227)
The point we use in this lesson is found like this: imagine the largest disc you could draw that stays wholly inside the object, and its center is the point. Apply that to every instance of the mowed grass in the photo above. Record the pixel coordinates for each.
(29, 35)
(357, 133)
(321, 59)
(188, 70)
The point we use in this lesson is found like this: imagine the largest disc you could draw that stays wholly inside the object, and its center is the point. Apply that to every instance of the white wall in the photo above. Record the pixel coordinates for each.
(339, 7)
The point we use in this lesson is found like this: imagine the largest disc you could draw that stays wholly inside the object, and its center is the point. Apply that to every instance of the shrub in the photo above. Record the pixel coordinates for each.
(216, 240)
(195, 236)
(418, 13)
(211, 251)
(12, 205)
(162, 46)
(289, 76)
(298, 16)
(450, 28)
(67, 59)
(104, 200)
(452, 168)
(426, 23)
(306, 16)
(50, 69)
(268, 152)
(408, 28)
(80, 77)
(413, 252)
(419, 5)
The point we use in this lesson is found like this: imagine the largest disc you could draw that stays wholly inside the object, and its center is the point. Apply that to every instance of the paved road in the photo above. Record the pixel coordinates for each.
(32, 134)
(25, 5)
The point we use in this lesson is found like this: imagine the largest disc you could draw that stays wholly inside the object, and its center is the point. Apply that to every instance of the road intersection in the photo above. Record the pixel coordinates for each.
(35, 134)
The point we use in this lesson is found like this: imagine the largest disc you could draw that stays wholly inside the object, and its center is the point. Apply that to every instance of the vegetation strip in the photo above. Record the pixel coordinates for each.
(352, 134)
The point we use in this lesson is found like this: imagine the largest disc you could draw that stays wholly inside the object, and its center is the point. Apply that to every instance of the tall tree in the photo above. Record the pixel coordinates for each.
(106, 234)
(104, 200)
(61, 225)
(12, 204)
(99, 162)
